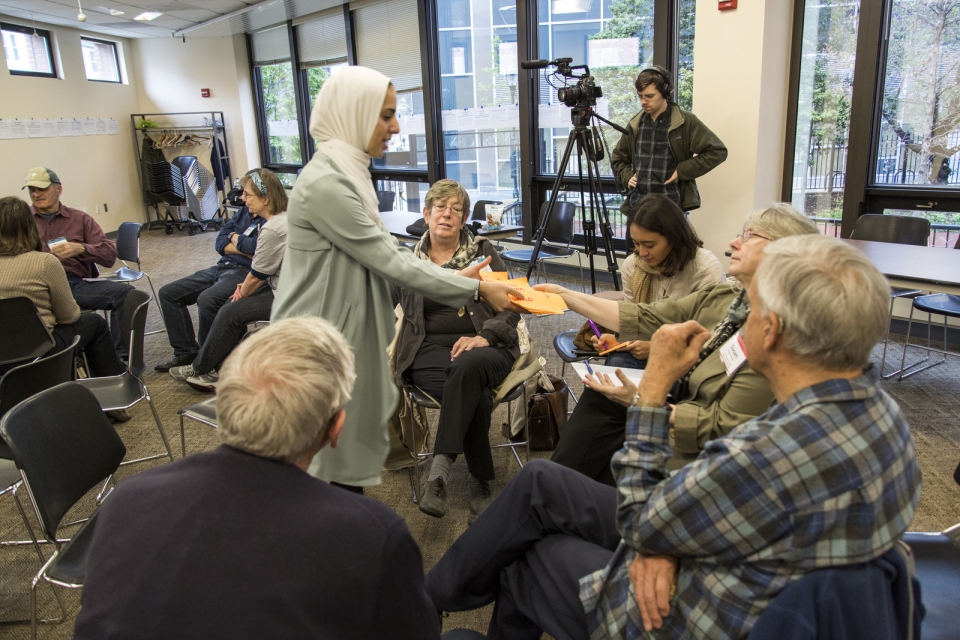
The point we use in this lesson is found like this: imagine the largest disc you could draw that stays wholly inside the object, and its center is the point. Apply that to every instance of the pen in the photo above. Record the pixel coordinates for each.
(596, 331)
(587, 362)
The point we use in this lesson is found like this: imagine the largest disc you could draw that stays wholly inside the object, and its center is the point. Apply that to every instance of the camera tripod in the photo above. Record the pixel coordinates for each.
(588, 143)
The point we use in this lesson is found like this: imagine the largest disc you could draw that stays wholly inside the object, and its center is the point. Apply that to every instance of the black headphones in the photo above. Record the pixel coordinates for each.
(666, 75)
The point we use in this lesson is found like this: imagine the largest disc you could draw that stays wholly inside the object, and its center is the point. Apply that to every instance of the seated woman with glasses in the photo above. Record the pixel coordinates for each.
(455, 355)
(668, 261)
(27, 270)
(265, 197)
(715, 396)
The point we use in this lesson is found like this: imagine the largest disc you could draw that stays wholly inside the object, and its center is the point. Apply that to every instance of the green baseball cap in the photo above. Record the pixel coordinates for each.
(41, 178)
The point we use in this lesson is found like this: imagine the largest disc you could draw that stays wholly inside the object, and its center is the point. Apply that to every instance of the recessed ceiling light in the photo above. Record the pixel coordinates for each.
(148, 15)
(114, 12)
(108, 11)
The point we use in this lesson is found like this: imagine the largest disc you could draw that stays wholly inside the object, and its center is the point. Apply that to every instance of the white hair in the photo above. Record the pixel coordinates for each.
(831, 300)
(281, 387)
(780, 220)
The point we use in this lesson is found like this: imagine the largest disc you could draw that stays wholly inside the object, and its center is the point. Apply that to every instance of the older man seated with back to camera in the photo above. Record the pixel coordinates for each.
(240, 542)
(826, 477)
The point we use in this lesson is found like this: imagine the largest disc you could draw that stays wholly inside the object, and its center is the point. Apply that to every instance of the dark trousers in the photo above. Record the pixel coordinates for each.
(209, 289)
(464, 388)
(548, 528)
(95, 344)
(102, 296)
(229, 327)
(594, 432)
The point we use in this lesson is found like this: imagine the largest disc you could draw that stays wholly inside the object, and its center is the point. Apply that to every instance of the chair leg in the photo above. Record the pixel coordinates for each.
(183, 445)
(563, 370)
(159, 308)
(583, 283)
(929, 348)
(415, 480)
(156, 417)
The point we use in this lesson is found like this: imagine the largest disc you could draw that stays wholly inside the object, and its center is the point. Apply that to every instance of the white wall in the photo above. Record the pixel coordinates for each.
(741, 78)
(171, 72)
(95, 170)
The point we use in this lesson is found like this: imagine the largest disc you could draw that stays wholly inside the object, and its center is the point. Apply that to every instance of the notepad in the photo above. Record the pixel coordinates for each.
(633, 375)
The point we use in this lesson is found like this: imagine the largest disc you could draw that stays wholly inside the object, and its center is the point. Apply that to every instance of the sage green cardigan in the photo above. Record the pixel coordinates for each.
(338, 265)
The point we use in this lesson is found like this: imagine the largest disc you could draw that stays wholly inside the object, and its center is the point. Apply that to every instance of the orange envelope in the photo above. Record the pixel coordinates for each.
(533, 301)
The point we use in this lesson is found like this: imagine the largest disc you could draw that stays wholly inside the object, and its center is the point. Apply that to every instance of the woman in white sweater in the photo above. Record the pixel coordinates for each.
(668, 261)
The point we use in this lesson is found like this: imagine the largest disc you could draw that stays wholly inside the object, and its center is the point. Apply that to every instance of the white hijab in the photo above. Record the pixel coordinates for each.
(343, 118)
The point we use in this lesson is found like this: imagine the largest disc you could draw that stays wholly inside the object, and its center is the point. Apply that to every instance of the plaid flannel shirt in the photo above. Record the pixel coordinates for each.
(653, 161)
(828, 477)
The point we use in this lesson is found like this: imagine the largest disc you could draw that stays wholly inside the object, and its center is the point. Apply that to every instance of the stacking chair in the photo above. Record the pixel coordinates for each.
(563, 345)
(25, 336)
(895, 230)
(63, 446)
(945, 304)
(127, 389)
(128, 250)
(203, 412)
(417, 397)
(385, 200)
(556, 239)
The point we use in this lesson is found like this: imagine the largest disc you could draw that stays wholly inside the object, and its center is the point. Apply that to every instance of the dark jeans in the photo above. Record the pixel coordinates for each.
(624, 361)
(209, 289)
(229, 327)
(94, 343)
(548, 528)
(594, 432)
(102, 296)
(464, 387)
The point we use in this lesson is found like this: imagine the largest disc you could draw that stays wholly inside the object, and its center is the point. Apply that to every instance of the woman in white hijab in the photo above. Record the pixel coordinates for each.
(340, 261)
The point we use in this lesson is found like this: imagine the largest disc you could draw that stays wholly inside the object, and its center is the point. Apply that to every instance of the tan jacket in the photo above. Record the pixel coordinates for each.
(717, 403)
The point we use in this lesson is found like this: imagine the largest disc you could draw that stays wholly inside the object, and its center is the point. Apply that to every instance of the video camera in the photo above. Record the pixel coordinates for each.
(583, 94)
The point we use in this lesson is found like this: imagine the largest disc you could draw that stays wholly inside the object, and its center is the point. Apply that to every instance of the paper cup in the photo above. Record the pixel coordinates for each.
(494, 216)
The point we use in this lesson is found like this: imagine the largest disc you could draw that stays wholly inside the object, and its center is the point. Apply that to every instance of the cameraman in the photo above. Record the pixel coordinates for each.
(666, 149)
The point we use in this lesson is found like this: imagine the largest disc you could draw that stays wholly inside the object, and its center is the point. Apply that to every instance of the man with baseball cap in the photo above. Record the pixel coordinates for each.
(78, 241)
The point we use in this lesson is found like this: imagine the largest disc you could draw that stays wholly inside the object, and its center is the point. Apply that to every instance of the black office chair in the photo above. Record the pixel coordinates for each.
(128, 250)
(63, 446)
(895, 230)
(127, 389)
(556, 239)
(563, 345)
(944, 304)
(25, 336)
(386, 200)
(203, 412)
(480, 209)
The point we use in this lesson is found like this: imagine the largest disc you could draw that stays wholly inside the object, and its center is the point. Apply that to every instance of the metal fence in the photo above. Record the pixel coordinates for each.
(941, 235)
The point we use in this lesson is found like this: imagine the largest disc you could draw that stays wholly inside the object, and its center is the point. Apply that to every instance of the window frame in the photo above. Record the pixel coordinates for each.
(116, 59)
(43, 33)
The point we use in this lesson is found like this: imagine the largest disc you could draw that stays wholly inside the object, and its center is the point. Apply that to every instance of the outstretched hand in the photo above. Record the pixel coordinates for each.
(500, 296)
(546, 287)
(473, 271)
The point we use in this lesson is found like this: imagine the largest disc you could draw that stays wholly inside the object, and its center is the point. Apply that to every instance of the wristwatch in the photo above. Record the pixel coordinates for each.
(476, 294)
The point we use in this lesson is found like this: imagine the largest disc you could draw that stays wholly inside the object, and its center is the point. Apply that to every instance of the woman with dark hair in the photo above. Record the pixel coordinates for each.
(668, 261)
(26, 270)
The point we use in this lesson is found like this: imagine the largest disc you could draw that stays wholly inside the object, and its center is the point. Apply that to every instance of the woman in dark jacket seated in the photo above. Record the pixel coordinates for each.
(457, 356)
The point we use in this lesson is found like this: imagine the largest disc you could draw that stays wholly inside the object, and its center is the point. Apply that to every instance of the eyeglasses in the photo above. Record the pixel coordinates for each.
(247, 194)
(747, 234)
(442, 208)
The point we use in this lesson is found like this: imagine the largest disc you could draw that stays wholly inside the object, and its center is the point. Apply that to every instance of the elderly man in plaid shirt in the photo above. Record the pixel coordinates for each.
(826, 477)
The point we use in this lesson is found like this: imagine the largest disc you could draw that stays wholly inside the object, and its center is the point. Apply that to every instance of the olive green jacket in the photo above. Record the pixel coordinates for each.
(717, 403)
(696, 149)
(338, 265)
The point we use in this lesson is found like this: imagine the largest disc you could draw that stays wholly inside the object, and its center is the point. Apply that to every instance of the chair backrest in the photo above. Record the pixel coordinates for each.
(128, 242)
(560, 227)
(385, 200)
(64, 445)
(29, 379)
(895, 229)
(132, 329)
(480, 209)
(25, 334)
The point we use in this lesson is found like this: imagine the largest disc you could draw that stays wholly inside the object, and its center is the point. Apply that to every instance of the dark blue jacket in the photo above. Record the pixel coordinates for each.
(247, 243)
(866, 601)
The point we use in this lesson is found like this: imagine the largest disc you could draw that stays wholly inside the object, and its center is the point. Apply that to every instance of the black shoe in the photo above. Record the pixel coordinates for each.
(176, 361)
(434, 499)
(480, 496)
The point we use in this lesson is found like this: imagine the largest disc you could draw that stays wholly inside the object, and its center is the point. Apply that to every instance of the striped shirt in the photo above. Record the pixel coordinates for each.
(828, 477)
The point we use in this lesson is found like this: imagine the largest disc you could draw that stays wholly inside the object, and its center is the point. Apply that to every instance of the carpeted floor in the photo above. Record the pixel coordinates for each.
(929, 400)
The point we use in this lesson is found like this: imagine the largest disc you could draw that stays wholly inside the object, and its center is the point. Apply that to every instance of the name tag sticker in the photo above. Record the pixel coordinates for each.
(250, 230)
(733, 354)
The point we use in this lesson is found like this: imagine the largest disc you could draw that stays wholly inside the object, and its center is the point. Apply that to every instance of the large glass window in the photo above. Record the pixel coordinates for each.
(322, 40)
(100, 60)
(687, 27)
(920, 116)
(477, 46)
(828, 53)
(28, 51)
(271, 57)
(615, 39)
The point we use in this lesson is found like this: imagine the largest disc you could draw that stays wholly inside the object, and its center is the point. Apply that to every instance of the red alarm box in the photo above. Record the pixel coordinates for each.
(727, 5)
(205, 93)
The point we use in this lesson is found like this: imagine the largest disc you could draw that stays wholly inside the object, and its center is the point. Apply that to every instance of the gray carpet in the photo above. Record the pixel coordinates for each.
(929, 400)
